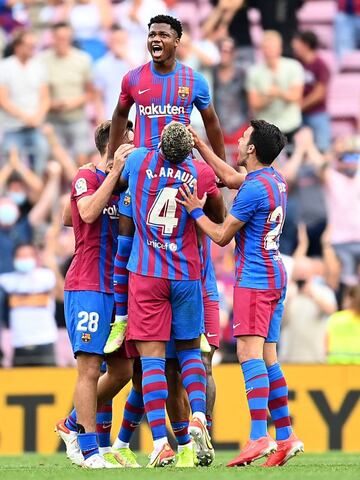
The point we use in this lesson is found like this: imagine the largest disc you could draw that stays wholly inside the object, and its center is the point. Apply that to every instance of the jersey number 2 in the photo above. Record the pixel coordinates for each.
(271, 241)
(162, 212)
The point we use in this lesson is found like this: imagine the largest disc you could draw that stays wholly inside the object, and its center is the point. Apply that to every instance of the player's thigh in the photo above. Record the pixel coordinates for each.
(276, 317)
(149, 309)
(212, 321)
(88, 316)
(253, 311)
(187, 309)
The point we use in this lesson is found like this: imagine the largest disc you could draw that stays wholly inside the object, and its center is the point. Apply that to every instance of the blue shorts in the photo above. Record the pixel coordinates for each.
(125, 204)
(160, 308)
(88, 315)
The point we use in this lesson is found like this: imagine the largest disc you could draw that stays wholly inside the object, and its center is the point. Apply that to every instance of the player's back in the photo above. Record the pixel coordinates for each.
(261, 203)
(95, 243)
(161, 99)
(165, 243)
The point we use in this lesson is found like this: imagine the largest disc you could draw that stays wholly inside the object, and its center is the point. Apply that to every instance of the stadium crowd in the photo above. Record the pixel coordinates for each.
(60, 76)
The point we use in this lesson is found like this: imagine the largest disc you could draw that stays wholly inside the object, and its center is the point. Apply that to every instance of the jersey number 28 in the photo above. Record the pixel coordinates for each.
(162, 212)
(271, 241)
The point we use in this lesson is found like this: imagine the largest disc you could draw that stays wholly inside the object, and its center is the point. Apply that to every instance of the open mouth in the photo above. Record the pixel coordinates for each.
(157, 50)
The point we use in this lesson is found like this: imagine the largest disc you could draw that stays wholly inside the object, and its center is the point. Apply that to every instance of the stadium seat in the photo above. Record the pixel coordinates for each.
(344, 96)
(320, 11)
(351, 62)
(342, 128)
(330, 59)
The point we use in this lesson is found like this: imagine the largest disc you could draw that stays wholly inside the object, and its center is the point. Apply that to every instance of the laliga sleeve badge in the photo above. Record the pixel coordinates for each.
(184, 92)
(86, 337)
(80, 186)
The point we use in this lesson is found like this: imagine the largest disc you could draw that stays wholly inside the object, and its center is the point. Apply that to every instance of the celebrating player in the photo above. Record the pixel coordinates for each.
(256, 220)
(89, 299)
(164, 286)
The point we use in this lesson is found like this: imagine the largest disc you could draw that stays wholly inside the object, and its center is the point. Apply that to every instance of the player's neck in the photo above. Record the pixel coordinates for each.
(254, 165)
(165, 67)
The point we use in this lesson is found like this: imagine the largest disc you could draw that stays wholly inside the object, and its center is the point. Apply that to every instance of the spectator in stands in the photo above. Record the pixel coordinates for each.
(24, 99)
(309, 302)
(317, 76)
(89, 19)
(13, 15)
(342, 189)
(31, 308)
(133, 16)
(109, 72)
(275, 87)
(280, 15)
(191, 13)
(230, 98)
(229, 18)
(343, 331)
(347, 27)
(69, 72)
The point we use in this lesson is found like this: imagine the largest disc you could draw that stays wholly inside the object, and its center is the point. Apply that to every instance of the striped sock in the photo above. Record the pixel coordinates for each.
(278, 402)
(88, 444)
(121, 275)
(194, 378)
(133, 413)
(257, 391)
(70, 421)
(181, 432)
(155, 392)
(103, 424)
(209, 423)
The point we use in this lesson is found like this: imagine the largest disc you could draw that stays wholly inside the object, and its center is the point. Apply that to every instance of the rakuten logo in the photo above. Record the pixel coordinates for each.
(153, 111)
(112, 211)
(162, 246)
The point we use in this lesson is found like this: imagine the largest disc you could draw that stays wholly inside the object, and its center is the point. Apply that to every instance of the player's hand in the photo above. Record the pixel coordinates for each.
(120, 157)
(196, 138)
(191, 200)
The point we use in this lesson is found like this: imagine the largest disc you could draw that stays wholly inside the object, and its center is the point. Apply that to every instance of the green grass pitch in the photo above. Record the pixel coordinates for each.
(326, 466)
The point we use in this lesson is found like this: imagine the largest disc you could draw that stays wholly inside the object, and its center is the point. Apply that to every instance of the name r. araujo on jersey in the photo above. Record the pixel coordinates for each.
(168, 172)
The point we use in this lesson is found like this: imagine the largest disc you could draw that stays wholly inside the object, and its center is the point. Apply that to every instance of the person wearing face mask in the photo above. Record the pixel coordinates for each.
(29, 288)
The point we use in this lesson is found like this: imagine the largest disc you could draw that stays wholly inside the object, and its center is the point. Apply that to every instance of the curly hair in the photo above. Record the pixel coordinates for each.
(176, 142)
(174, 23)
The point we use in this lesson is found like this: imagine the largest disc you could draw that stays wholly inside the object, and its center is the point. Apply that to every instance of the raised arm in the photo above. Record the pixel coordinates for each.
(213, 130)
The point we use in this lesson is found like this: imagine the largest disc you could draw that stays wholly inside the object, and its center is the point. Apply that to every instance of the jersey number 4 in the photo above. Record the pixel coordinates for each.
(271, 240)
(162, 212)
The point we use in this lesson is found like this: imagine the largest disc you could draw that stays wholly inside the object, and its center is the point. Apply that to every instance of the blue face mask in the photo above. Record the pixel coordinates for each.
(24, 265)
(8, 214)
(18, 197)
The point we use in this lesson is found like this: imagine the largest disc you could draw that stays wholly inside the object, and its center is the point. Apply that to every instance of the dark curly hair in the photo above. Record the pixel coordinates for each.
(176, 142)
(174, 23)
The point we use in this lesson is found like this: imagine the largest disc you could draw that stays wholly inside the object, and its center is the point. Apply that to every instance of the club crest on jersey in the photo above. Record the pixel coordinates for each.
(127, 200)
(80, 186)
(184, 92)
(86, 337)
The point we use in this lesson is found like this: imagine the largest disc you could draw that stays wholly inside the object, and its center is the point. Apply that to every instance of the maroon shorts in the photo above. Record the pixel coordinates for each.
(254, 310)
(128, 350)
(212, 321)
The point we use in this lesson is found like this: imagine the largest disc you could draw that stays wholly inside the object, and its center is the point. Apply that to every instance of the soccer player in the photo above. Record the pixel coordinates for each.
(89, 299)
(256, 221)
(164, 284)
(162, 90)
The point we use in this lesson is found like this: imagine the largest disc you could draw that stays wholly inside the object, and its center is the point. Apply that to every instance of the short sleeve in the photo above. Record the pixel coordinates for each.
(202, 97)
(126, 98)
(207, 181)
(84, 184)
(246, 201)
(297, 73)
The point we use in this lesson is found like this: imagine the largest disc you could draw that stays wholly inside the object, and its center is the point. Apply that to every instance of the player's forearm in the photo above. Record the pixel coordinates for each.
(215, 136)
(91, 207)
(227, 174)
(213, 230)
(117, 130)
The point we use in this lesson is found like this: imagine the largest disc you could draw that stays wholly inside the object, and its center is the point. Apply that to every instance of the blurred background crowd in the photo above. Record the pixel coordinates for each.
(295, 63)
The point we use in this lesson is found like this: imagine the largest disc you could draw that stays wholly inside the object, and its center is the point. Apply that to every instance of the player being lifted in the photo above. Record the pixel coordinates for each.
(165, 291)
(256, 221)
(162, 90)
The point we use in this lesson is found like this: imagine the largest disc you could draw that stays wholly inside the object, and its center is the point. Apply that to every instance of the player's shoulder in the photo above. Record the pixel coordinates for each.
(134, 74)
(83, 179)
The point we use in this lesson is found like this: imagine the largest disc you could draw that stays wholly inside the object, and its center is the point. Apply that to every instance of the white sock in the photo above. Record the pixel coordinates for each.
(187, 445)
(120, 444)
(201, 416)
(120, 318)
(103, 450)
(159, 443)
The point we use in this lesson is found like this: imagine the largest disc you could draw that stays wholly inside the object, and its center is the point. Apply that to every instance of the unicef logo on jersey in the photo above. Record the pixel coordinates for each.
(162, 246)
(112, 211)
(155, 111)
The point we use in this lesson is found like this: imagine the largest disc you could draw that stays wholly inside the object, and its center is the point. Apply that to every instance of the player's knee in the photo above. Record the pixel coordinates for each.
(89, 368)
(245, 353)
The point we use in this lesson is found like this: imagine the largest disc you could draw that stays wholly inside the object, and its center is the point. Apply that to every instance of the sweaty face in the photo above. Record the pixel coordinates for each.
(162, 42)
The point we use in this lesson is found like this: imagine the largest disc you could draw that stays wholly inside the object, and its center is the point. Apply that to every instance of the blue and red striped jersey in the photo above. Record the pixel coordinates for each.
(165, 242)
(161, 99)
(208, 276)
(92, 266)
(261, 204)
